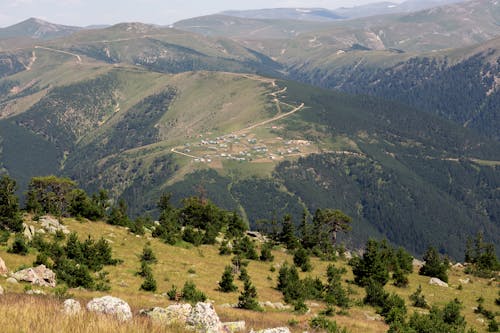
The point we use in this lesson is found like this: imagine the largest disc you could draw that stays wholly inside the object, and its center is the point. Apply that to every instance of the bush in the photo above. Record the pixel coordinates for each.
(418, 299)
(147, 255)
(224, 249)
(173, 294)
(375, 294)
(19, 246)
(322, 323)
(245, 248)
(301, 259)
(191, 294)
(149, 283)
(265, 252)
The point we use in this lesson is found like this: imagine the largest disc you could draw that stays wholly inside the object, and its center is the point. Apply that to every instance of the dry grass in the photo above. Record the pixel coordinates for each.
(22, 313)
(204, 267)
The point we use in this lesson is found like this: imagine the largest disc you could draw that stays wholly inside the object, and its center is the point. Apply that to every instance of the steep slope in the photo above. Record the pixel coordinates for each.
(460, 85)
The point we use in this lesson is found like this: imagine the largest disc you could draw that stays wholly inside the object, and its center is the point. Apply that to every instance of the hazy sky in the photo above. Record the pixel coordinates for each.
(87, 12)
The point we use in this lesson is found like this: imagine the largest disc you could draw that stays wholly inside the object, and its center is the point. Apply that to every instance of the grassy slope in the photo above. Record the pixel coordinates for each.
(172, 268)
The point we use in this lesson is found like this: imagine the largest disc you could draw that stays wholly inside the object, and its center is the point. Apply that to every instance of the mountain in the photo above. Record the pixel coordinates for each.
(328, 15)
(460, 85)
(261, 146)
(164, 49)
(301, 14)
(37, 29)
(452, 26)
(384, 8)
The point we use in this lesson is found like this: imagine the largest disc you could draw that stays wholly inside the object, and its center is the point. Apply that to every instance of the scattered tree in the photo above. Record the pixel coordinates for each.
(226, 283)
(434, 266)
(10, 215)
(248, 297)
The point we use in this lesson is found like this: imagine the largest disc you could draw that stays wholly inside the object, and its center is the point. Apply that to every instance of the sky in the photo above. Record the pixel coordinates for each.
(163, 12)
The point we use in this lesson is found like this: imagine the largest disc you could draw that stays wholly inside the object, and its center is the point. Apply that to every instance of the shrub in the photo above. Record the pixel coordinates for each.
(19, 246)
(147, 255)
(245, 248)
(418, 299)
(191, 294)
(265, 252)
(301, 259)
(149, 283)
(173, 293)
(322, 323)
(224, 249)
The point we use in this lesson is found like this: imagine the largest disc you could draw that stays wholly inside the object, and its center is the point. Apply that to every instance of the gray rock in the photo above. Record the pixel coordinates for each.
(40, 276)
(29, 231)
(458, 266)
(111, 306)
(273, 330)
(1, 290)
(35, 292)
(173, 314)
(11, 280)
(418, 263)
(437, 282)
(204, 319)
(234, 326)
(71, 307)
(464, 281)
(3, 268)
(52, 225)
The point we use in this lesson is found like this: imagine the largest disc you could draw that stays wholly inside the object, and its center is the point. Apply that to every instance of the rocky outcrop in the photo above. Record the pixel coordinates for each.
(204, 319)
(40, 276)
(173, 314)
(437, 282)
(273, 330)
(28, 231)
(110, 305)
(233, 327)
(71, 307)
(52, 225)
(3, 268)
(35, 292)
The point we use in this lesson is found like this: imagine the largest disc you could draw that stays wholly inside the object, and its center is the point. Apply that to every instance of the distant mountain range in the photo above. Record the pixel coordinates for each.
(326, 15)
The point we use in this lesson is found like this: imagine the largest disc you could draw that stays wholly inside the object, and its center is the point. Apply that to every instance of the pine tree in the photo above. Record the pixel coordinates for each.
(10, 215)
(335, 293)
(226, 283)
(301, 259)
(248, 297)
(434, 266)
(265, 252)
(149, 283)
(287, 235)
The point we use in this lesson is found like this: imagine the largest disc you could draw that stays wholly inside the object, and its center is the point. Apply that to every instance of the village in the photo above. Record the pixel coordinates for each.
(244, 147)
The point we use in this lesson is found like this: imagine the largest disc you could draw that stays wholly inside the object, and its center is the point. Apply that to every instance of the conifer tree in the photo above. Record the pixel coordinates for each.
(10, 215)
(226, 283)
(248, 297)
(434, 265)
